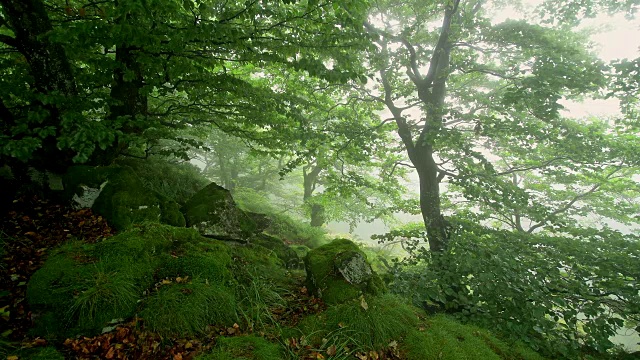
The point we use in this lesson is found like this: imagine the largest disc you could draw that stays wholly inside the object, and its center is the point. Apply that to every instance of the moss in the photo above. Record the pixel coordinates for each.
(177, 182)
(170, 213)
(244, 348)
(43, 353)
(210, 262)
(124, 199)
(82, 287)
(445, 338)
(324, 277)
(385, 319)
(301, 250)
(213, 211)
(288, 256)
(186, 309)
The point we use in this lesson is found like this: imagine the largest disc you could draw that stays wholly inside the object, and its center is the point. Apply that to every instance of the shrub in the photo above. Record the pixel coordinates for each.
(563, 296)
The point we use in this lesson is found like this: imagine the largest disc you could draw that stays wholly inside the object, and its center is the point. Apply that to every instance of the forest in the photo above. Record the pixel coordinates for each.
(174, 173)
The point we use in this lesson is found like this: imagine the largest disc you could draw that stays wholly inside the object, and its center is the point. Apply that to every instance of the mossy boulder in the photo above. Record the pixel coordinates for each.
(213, 212)
(339, 271)
(83, 287)
(288, 256)
(118, 194)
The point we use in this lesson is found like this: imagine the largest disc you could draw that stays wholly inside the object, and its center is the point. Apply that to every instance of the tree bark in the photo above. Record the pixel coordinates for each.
(431, 90)
(50, 69)
(310, 178)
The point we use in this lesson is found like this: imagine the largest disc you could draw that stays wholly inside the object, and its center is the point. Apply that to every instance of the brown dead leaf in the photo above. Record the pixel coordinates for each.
(110, 353)
(332, 350)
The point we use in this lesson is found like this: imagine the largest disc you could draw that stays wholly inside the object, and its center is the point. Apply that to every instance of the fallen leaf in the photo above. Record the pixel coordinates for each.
(332, 350)
(363, 303)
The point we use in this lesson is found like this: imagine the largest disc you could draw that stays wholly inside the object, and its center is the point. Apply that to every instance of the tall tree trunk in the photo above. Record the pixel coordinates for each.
(310, 178)
(431, 90)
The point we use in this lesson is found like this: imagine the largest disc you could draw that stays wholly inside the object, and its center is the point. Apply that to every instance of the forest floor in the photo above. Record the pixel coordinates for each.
(31, 227)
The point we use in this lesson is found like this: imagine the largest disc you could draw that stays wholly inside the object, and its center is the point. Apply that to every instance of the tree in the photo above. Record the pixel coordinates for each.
(454, 87)
(90, 80)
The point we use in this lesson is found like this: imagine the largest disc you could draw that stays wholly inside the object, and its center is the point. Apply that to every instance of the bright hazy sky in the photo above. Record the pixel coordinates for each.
(614, 37)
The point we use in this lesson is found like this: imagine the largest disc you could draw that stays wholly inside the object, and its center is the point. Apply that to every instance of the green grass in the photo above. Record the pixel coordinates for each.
(385, 319)
(107, 296)
(244, 348)
(186, 309)
(444, 338)
(257, 299)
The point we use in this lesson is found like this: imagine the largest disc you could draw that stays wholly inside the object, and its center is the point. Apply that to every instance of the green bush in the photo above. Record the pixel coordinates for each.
(244, 348)
(563, 296)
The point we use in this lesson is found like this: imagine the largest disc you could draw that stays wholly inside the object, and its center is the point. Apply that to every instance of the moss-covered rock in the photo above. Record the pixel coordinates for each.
(244, 348)
(339, 271)
(288, 256)
(213, 212)
(119, 195)
(83, 287)
(175, 181)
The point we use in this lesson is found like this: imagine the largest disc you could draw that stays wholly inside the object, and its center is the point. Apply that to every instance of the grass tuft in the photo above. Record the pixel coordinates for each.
(244, 348)
(445, 338)
(187, 309)
(385, 319)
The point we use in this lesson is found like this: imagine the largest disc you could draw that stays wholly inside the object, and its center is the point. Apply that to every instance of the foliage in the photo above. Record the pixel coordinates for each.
(564, 295)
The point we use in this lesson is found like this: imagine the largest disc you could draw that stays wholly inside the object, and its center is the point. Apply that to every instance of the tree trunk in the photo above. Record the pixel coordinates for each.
(310, 178)
(434, 222)
(317, 215)
(50, 69)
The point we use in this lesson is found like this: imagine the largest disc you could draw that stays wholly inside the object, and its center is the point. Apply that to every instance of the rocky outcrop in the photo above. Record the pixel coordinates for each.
(339, 271)
(213, 212)
(117, 193)
(288, 256)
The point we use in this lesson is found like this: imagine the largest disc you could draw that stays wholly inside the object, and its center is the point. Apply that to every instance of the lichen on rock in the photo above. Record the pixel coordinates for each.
(213, 212)
(339, 271)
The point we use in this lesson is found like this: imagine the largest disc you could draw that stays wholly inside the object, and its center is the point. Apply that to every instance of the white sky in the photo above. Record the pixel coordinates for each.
(613, 37)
